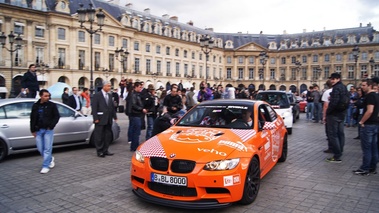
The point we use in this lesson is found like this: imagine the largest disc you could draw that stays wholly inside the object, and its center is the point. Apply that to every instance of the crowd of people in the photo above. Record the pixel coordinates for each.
(157, 109)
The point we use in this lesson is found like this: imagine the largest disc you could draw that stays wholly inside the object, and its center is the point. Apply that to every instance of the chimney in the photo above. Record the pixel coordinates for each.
(324, 28)
(304, 30)
(360, 24)
(209, 29)
(166, 16)
(129, 6)
(190, 23)
(147, 10)
(284, 32)
(239, 32)
(174, 18)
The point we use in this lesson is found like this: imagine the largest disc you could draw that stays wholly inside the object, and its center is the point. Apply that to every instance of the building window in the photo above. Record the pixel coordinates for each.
(251, 59)
(177, 68)
(39, 31)
(251, 73)
(272, 60)
(293, 59)
(364, 71)
(293, 74)
(220, 60)
(229, 60)
(350, 72)
(376, 55)
(240, 73)
(201, 71)
(168, 68)
(39, 55)
(124, 43)
(304, 73)
(158, 50)
(185, 53)
(97, 38)
(376, 70)
(61, 58)
(304, 59)
(339, 69)
(240, 59)
(338, 57)
(136, 46)
(200, 56)
(283, 59)
(327, 58)
(326, 72)
(148, 66)
(81, 59)
(193, 70)
(168, 50)
(193, 55)
(81, 36)
(228, 73)
(159, 66)
(136, 64)
(176, 52)
(61, 34)
(111, 62)
(272, 73)
(351, 57)
(111, 41)
(261, 73)
(315, 58)
(97, 60)
(364, 56)
(214, 59)
(185, 70)
(147, 48)
(19, 28)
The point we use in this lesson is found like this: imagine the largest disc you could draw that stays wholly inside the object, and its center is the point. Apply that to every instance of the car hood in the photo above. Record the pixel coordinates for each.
(198, 144)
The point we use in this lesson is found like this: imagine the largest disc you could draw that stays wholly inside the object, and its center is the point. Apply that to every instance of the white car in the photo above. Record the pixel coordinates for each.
(279, 101)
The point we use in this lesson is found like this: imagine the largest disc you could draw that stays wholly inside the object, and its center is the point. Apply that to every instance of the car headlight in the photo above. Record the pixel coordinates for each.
(139, 157)
(222, 164)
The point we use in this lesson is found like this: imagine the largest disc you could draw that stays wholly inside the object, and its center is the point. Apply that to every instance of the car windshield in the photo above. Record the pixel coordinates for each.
(232, 116)
(276, 100)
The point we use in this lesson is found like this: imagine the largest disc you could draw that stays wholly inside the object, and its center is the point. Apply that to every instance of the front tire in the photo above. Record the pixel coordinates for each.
(283, 157)
(3, 150)
(289, 131)
(252, 183)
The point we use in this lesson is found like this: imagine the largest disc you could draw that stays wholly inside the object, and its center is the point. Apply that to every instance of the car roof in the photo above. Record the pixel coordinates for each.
(20, 100)
(272, 91)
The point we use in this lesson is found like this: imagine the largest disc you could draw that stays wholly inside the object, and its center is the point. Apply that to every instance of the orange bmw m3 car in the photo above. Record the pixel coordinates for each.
(215, 155)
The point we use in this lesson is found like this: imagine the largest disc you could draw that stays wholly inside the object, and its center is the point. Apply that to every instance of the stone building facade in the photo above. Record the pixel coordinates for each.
(163, 50)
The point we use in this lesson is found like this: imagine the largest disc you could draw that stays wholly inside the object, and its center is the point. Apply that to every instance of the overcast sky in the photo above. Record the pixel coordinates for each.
(269, 16)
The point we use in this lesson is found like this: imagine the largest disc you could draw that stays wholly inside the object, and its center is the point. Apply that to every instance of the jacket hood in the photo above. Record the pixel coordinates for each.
(197, 144)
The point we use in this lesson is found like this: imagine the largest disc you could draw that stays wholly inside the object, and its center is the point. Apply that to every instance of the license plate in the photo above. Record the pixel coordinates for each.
(168, 179)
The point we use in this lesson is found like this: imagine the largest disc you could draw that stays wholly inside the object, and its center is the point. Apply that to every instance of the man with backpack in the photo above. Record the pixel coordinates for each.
(335, 116)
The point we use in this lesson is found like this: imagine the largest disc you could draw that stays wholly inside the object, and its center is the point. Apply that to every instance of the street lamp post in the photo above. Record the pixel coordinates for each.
(356, 56)
(298, 66)
(123, 58)
(90, 13)
(372, 63)
(206, 44)
(12, 40)
(263, 59)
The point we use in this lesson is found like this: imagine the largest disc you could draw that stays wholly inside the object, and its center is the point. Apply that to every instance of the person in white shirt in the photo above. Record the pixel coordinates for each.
(325, 99)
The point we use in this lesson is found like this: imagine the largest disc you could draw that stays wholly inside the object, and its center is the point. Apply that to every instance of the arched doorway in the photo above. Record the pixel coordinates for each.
(114, 83)
(3, 91)
(98, 84)
(168, 86)
(17, 84)
(293, 88)
(272, 87)
(282, 88)
(303, 87)
(348, 86)
(62, 79)
(251, 87)
(261, 87)
(82, 83)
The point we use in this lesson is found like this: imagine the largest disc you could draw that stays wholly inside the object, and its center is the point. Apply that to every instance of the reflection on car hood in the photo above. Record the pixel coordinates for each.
(198, 144)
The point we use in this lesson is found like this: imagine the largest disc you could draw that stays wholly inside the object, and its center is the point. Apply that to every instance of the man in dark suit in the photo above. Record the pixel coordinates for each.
(103, 112)
(29, 81)
(74, 100)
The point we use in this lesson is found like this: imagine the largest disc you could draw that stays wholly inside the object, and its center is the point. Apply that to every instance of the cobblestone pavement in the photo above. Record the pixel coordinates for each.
(82, 182)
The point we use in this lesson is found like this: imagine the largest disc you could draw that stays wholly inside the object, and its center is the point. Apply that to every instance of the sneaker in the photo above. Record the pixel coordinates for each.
(357, 137)
(52, 163)
(44, 170)
(361, 172)
(333, 160)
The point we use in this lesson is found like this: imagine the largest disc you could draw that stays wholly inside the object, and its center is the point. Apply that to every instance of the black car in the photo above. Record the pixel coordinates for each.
(295, 106)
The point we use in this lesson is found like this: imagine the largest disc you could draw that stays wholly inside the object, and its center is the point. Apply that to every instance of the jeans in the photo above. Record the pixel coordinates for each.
(149, 129)
(134, 131)
(44, 141)
(350, 116)
(336, 134)
(317, 108)
(309, 110)
(369, 143)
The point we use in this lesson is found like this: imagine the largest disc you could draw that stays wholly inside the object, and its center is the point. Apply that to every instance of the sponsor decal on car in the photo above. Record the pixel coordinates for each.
(275, 145)
(232, 180)
(213, 151)
(153, 148)
(195, 135)
(235, 145)
(244, 134)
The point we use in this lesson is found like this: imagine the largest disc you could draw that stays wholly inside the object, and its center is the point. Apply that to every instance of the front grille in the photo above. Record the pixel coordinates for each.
(172, 190)
(160, 164)
(183, 166)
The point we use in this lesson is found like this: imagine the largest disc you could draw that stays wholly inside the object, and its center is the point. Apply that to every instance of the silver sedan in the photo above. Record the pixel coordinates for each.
(73, 127)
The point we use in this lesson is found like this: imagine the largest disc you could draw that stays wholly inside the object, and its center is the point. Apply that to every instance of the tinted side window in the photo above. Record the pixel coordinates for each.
(18, 110)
